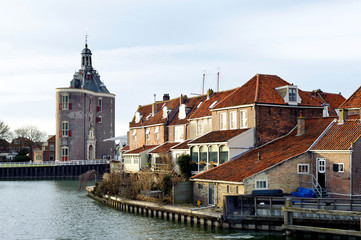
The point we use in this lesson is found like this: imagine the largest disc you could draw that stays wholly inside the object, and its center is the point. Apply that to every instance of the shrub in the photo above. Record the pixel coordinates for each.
(185, 165)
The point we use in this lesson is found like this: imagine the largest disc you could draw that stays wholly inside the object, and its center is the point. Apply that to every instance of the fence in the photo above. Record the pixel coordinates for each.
(52, 163)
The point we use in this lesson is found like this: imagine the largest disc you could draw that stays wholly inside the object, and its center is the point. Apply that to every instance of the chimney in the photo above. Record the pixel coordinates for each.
(154, 105)
(300, 125)
(209, 93)
(166, 97)
(182, 99)
(342, 115)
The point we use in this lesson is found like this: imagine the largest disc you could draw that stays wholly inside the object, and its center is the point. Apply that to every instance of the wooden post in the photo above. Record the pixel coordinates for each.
(288, 218)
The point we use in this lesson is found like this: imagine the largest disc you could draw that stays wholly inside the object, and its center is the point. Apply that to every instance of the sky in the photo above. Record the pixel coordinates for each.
(146, 47)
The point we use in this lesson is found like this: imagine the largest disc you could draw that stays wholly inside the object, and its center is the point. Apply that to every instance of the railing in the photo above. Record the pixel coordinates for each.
(52, 163)
(316, 187)
(239, 206)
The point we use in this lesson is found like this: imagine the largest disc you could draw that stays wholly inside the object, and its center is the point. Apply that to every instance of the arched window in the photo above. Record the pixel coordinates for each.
(223, 154)
(213, 154)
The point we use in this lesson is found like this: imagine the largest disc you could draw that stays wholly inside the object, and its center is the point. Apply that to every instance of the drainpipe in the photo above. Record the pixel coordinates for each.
(351, 172)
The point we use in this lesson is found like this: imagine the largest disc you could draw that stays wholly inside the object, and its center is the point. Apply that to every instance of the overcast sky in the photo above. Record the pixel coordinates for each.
(141, 48)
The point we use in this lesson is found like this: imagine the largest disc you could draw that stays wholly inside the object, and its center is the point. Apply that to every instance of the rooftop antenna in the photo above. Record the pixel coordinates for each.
(218, 80)
(204, 79)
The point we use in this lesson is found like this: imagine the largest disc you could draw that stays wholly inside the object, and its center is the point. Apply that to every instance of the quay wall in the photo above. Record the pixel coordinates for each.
(50, 172)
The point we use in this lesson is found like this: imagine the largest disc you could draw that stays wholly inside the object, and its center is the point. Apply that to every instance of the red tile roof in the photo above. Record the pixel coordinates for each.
(141, 149)
(126, 148)
(272, 153)
(218, 136)
(354, 101)
(340, 136)
(333, 99)
(164, 148)
(191, 104)
(261, 89)
(182, 145)
(146, 111)
(203, 110)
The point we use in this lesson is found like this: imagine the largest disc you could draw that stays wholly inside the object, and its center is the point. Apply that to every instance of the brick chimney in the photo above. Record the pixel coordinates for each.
(166, 97)
(300, 125)
(209, 93)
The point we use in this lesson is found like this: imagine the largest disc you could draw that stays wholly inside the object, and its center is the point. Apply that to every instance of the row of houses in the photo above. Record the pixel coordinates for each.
(265, 134)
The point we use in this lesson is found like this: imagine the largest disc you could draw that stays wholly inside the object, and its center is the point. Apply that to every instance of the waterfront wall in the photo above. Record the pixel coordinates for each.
(41, 172)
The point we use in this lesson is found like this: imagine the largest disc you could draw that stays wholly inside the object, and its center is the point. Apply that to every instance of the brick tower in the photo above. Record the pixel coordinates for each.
(84, 116)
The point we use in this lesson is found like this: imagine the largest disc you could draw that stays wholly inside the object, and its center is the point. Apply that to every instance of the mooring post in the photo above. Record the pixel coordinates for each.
(288, 218)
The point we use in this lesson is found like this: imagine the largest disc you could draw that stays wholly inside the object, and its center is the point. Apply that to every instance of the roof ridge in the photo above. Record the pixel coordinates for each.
(350, 96)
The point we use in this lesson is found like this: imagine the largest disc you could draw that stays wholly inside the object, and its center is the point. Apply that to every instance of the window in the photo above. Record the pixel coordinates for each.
(261, 184)
(199, 104)
(134, 135)
(303, 168)
(156, 133)
(243, 119)
(178, 133)
(147, 134)
(338, 167)
(39, 157)
(65, 105)
(100, 104)
(65, 132)
(51, 158)
(212, 105)
(199, 129)
(99, 119)
(127, 160)
(64, 153)
(222, 121)
(321, 165)
(232, 120)
(292, 94)
(51, 147)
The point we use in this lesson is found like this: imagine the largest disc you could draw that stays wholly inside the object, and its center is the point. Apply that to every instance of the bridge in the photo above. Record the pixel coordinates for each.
(51, 170)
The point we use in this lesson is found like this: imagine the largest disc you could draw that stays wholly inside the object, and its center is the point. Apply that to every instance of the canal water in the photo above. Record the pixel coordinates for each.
(56, 210)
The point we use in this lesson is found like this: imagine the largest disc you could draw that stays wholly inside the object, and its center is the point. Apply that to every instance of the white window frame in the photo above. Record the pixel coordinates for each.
(233, 120)
(199, 127)
(303, 168)
(258, 182)
(134, 135)
(64, 128)
(339, 167)
(321, 168)
(156, 133)
(292, 94)
(222, 121)
(179, 133)
(147, 134)
(65, 102)
(100, 104)
(243, 119)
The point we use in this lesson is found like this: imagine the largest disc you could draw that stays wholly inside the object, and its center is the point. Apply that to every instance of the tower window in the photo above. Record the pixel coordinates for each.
(100, 104)
(64, 102)
(64, 153)
(65, 132)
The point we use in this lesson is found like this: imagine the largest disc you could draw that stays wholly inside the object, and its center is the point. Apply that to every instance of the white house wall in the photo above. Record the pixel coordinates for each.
(241, 143)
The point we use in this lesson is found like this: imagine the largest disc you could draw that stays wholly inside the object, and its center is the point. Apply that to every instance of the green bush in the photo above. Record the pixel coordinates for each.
(185, 165)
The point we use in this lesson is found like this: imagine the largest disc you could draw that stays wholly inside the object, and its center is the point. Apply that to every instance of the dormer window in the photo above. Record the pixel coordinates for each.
(137, 117)
(292, 94)
(182, 111)
(289, 93)
(165, 112)
(213, 103)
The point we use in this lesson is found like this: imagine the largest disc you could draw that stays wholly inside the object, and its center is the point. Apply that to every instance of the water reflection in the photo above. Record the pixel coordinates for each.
(56, 210)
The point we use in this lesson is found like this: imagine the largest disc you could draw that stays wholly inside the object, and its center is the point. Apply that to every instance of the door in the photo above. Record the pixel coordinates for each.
(321, 171)
(211, 194)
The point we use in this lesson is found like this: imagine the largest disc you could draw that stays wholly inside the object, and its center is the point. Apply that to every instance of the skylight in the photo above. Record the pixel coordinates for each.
(213, 103)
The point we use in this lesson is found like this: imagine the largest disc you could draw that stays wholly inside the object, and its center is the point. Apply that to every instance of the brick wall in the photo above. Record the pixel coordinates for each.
(337, 183)
(356, 168)
(200, 192)
(216, 117)
(282, 176)
(273, 122)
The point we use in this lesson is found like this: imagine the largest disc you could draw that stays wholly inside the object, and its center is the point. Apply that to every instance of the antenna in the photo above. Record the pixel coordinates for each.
(218, 80)
(204, 79)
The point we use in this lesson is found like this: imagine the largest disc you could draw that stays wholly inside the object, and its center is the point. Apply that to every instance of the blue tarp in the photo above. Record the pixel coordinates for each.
(304, 192)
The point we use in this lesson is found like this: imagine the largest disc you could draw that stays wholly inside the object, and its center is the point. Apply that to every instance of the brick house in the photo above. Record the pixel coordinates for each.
(85, 115)
(274, 165)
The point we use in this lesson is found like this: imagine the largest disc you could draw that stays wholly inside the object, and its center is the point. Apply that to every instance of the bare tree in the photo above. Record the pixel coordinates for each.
(32, 133)
(5, 132)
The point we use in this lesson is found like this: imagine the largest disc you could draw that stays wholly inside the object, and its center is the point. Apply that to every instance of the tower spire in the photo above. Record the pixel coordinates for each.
(86, 37)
